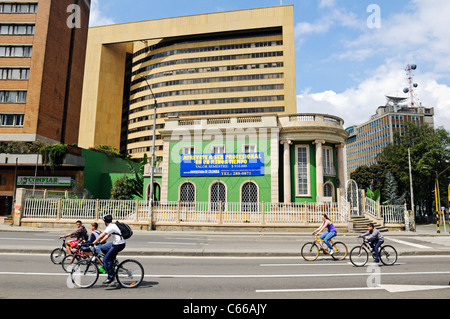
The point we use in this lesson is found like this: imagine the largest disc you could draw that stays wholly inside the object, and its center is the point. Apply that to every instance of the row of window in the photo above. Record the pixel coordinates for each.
(211, 101)
(249, 194)
(200, 39)
(210, 90)
(14, 73)
(13, 96)
(16, 29)
(208, 49)
(13, 120)
(208, 80)
(209, 59)
(218, 149)
(18, 7)
(15, 51)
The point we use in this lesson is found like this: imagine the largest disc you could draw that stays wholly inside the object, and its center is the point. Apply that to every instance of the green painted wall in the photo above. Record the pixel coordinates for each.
(101, 171)
(233, 183)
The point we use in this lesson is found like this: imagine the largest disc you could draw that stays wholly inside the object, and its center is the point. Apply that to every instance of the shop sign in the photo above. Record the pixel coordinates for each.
(51, 181)
(226, 164)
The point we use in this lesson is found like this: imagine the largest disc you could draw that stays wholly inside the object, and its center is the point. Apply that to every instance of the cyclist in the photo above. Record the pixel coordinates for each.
(80, 234)
(111, 249)
(328, 234)
(376, 239)
(94, 234)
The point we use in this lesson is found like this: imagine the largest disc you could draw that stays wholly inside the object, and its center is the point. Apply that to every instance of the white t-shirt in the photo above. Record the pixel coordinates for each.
(112, 229)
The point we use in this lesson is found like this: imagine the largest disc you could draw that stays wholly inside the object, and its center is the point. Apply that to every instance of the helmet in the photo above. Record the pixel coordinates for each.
(107, 218)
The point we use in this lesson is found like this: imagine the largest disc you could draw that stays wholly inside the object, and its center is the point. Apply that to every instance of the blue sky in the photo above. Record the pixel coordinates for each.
(344, 65)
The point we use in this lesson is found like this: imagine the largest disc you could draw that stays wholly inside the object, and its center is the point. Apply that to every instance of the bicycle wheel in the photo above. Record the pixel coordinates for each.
(84, 274)
(388, 255)
(340, 251)
(359, 256)
(310, 251)
(129, 273)
(57, 255)
(69, 261)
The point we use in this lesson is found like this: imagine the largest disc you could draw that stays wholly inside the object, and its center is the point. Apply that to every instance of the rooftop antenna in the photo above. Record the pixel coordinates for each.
(412, 85)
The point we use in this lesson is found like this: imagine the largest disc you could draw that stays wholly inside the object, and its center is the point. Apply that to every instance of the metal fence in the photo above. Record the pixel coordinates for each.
(183, 212)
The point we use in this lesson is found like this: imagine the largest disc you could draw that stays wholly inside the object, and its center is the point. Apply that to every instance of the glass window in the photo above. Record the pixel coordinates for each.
(302, 171)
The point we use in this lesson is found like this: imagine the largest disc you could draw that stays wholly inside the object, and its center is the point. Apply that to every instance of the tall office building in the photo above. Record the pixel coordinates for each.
(41, 69)
(367, 140)
(230, 63)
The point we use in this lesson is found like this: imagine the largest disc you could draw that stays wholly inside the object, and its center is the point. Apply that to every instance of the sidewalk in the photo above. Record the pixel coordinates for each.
(425, 241)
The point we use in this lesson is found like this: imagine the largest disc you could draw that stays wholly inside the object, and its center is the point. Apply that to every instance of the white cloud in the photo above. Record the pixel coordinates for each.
(97, 17)
(420, 33)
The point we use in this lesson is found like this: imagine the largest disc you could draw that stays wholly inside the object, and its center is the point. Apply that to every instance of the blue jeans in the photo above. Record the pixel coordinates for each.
(326, 236)
(377, 243)
(111, 252)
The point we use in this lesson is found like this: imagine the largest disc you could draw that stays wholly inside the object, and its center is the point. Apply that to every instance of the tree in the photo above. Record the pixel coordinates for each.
(430, 154)
(391, 191)
(122, 188)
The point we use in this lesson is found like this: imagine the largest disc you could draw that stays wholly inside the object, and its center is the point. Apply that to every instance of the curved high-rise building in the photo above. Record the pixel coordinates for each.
(236, 63)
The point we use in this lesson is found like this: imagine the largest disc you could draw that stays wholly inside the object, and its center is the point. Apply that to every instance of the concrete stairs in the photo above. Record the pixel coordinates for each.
(360, 225)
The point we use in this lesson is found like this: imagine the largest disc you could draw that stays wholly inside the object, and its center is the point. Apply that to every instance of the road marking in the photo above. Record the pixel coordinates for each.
(175, 243)
(389, 288)
(297, 265)
(27, 239)
(410, 244)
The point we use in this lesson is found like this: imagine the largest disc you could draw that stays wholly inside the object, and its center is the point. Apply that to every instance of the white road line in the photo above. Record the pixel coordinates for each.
(389, 288)
(409, 244)
(302, 265)
(365, 274)
(175, 243)
(26, 239)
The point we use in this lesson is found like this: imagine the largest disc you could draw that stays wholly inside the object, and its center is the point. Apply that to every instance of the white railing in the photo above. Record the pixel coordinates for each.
(393, 214)
(178, 212)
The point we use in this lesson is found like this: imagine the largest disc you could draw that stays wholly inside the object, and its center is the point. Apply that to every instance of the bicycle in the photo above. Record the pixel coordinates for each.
(70, 259)
(58, 254)
(310, 251)
(128, 273)
(359, 255)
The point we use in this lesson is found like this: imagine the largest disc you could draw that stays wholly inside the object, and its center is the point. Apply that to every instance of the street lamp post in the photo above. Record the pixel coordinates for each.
(153, 155)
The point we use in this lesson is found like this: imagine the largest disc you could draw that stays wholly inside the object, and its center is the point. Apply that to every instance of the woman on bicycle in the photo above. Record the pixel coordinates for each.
(329, 233)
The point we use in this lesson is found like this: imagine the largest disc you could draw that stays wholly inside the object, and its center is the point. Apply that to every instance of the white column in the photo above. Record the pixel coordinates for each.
(319, 169)
(340, 151)
(287, 170)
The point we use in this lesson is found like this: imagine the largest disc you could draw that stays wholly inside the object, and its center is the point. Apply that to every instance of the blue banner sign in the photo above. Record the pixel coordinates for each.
(226, 164)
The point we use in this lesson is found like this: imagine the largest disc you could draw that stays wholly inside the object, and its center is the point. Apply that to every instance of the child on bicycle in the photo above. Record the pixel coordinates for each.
(80, 234)
(376, 239)
(328, 234)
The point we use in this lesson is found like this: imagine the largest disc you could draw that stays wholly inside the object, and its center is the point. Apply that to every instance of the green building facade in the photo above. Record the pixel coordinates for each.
(301, 159)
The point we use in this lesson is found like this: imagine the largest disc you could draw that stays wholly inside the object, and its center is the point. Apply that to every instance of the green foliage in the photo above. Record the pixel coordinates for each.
(108, 150)
(122, 188)
(391, 190)
(16, 147)
(54, 154)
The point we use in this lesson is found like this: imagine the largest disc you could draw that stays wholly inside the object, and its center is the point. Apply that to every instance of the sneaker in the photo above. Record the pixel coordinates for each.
(108, 281)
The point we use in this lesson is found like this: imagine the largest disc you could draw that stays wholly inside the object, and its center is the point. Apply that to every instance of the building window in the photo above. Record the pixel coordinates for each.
(187, 193)
(14, 74)
(249, 148)
(218, 193)
(328, 168)
(13, 96)
(15, 51)
(17, 29)
(18, 8)
(218, 149)
(14, 120)
(302, 170)
(249, 197)
(328, 190)
(188, 150)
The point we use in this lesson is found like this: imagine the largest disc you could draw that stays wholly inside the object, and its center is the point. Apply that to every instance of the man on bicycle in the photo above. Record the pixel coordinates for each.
(111, 249)
(80, 234)
(376, 239)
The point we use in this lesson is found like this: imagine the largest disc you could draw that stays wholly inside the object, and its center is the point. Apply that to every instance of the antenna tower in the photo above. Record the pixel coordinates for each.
(412, 85)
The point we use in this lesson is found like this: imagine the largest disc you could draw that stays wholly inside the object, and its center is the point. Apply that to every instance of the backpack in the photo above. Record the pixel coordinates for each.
(125, 230)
